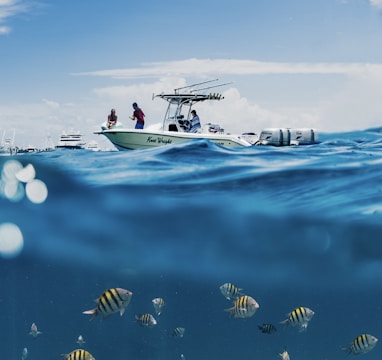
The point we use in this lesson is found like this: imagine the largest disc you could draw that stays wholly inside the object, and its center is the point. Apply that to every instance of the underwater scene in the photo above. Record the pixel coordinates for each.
(193, 251)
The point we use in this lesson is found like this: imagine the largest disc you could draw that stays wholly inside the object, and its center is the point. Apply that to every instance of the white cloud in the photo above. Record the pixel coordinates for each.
(350, 102)
(10, 8)
(209, 67)
(51, 104)
(5, 30)
(327, 103)
(7, 2)
(376, 3)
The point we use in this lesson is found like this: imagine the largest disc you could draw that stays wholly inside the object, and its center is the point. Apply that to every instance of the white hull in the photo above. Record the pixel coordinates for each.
(133, 139)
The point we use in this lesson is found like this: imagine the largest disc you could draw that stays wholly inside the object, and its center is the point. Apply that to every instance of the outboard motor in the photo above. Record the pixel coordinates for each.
(285, 137)
(275, 137)
(303, 136)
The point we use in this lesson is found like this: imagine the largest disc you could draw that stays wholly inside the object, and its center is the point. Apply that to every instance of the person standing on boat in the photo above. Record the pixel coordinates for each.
(139, 116)
(194, 122)
(111, 119)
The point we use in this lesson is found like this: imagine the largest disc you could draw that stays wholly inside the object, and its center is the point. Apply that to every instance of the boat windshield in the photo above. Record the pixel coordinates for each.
(177, 101)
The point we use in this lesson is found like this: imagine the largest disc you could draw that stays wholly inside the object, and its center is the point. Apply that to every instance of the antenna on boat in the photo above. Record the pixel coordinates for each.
(211, 87)
(190, 86)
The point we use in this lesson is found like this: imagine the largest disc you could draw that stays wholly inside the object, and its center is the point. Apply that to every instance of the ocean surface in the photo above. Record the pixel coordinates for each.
(291, 226)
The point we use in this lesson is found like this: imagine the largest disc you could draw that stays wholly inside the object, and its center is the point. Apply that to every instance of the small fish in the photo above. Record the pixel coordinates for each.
(299, 318)
(230, 291)
(267, 328)
(158, 304)
(80, 341)
(78, 354)
(284, 355)
(24, 354)
(111, 301)
(178, 332)
(146, 320)
(34, 331)
(244, 307)
(361, 344)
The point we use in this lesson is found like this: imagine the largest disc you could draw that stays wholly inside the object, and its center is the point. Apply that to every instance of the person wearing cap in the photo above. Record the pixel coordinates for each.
(139, 116)
(111, 119)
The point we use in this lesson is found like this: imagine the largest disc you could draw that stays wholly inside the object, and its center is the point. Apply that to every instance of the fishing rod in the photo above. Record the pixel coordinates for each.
(189, 86)
(211, 87)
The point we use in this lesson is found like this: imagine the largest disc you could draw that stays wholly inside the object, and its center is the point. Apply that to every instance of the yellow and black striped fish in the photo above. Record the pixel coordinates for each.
(267, 328)
(178, 332)
(244, 307)
(361, 344)
(79, 354)
(230, 291)
(111, 301)
(299, 318)
(146, 320)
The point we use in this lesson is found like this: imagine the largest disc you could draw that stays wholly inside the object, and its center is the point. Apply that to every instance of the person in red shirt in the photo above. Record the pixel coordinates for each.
(139, 116)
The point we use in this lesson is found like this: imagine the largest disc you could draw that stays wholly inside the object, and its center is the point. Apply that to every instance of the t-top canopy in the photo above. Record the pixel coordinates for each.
(189, 99)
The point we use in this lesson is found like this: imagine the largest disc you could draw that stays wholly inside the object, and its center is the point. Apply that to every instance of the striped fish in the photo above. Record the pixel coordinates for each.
(299, 318)
(178, 332)
(244, 307)
(111, 301)
(146, 320)
(158, 304)
(79, 354)
(267, 328)
(230, 291)
(361, 344)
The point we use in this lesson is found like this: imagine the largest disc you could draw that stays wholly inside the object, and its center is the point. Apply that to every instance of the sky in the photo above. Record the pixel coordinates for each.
(285, 63)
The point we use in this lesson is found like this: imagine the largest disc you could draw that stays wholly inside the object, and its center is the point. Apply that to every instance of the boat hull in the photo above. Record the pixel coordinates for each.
(132, 139)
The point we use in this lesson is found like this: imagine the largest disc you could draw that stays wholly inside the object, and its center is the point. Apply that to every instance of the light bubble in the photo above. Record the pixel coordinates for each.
(9, 185)
(36, 191)
(13, 190)
(11, 240)
(10, 168)
(26, 174)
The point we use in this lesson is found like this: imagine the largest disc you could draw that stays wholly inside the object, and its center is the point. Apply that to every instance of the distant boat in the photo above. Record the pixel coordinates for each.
(7, 146)
(71, 140)
(93, 145)
(27, 149)
(48, 145)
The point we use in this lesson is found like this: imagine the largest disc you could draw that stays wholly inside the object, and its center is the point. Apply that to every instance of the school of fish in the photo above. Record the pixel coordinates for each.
(245, 306)
(116, 300)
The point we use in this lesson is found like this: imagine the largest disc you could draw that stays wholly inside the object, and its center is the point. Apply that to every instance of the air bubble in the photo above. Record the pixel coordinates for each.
(36, 191)
(11, 240)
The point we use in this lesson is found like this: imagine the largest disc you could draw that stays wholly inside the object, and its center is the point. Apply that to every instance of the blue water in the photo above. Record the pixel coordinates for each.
(292, 226)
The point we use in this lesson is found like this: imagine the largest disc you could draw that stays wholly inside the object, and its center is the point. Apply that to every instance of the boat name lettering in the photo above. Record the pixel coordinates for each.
(158, 140)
